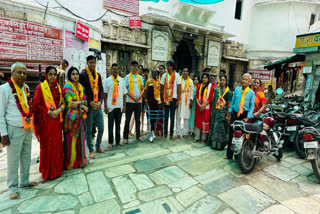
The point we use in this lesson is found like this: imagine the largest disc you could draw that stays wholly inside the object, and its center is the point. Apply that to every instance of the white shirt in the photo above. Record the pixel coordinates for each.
(177, 81)
(136, 86)
(9, 112)
(108, 89)
(184, 111)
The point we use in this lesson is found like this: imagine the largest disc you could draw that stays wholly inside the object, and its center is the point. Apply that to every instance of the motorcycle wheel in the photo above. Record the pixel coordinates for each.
(316, 165)
(279, 154)
(298, 146)
(246, 163)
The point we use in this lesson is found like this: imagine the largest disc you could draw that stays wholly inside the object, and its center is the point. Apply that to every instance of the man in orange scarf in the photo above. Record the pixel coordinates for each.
(135, 87)
(241, 107)
(14, 101)
(170, 95)
(185, 105)
(115, 94)
(90, 79)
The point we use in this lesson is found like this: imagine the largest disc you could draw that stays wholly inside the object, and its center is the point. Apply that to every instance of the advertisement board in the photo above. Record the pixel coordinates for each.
(260, 74)
(21, 40)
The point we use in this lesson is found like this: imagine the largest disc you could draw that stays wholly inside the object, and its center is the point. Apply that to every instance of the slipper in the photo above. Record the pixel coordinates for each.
(120, 144)
(110, 146)
(140, 139)
(14, 196)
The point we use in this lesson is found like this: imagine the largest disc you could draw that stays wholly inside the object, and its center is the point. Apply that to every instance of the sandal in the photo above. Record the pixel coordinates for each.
(100, 150)
(14, 196)
(91, 155)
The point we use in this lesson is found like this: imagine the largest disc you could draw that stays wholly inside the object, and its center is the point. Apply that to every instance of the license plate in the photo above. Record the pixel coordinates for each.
(236, 141)
(291, 128)
(311, 145)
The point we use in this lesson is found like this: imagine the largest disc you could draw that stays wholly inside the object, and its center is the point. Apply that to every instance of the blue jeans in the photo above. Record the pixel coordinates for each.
(96, 117)
(172, 109)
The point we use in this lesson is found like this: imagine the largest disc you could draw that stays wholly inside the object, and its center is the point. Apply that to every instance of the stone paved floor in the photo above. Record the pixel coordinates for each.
(169, 177)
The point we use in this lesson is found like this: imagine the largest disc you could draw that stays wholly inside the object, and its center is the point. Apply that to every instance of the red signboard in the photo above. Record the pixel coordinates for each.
(260, 74)
(82, 31)
(22, 40)
(135, 22)
(128, 6)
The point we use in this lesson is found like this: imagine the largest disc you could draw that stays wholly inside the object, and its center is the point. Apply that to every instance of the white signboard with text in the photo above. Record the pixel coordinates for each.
(160, 42)
(214, 53)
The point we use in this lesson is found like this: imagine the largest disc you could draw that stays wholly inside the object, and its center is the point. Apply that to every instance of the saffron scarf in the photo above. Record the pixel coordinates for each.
(156, 90)
(115, 91)
(93, 83)
(131, 85)
(48, 98)
(78, 92)
(23, 105)
(221, 101)
(186, 90)
(168, 87)
(243, 93)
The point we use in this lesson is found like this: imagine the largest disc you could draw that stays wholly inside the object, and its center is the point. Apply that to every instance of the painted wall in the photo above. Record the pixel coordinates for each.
(274, 27)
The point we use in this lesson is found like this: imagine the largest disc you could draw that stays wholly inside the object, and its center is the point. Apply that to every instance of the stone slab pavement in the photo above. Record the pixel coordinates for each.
(167, 177)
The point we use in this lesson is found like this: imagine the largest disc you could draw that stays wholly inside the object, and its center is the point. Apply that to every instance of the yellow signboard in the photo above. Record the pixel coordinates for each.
(94, 44)
(309, 40)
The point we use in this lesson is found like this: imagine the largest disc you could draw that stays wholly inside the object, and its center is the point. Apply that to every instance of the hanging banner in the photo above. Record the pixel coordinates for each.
(21, 40)
(160, 43)
(214, 53)
(82, 31)
(135, 22)
(128, 6)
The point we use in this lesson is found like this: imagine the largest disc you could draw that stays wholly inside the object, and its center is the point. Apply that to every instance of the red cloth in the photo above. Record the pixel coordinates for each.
(202, 119)
(49, 133)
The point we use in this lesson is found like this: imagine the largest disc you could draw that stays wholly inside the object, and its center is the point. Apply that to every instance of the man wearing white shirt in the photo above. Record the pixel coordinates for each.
(16, 128)
(170, 95)
(115, 93)
(183, 111)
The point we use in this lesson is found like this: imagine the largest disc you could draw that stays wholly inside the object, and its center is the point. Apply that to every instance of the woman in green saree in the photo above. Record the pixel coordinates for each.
(219, 127)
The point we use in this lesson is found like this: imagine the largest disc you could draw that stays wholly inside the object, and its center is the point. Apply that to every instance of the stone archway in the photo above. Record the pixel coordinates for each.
(185, 56)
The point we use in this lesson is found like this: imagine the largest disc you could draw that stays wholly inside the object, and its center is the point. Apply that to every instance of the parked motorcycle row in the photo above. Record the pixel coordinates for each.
(287, 122)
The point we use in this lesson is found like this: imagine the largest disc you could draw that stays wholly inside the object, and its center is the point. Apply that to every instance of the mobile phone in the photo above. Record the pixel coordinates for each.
(51, 108)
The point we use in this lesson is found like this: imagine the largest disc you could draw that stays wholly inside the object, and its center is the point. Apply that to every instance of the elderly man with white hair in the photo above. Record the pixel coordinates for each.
(16, 128)
(241, 107)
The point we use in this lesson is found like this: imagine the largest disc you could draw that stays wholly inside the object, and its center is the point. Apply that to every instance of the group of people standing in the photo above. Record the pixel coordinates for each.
(63, 114)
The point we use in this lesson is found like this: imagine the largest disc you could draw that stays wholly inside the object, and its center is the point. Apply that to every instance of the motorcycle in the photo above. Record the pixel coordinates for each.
(252, 141)
(311, 140)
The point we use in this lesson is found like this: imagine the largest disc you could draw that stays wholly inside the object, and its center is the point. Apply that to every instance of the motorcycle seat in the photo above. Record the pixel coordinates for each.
(283, 114)
(252, 127)
(306, 121)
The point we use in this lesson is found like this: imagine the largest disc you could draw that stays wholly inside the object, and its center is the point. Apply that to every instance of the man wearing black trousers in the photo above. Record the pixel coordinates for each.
(135, 88)
(115, 94)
